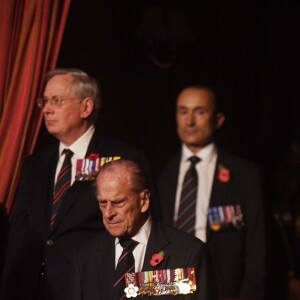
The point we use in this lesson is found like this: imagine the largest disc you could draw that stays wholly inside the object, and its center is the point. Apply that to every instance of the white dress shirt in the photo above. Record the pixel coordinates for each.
(79, 148)
(139, 251)
(205, 169)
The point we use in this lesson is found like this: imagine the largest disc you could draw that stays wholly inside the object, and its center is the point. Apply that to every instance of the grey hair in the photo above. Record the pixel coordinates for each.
(134, 172)
(83, 86)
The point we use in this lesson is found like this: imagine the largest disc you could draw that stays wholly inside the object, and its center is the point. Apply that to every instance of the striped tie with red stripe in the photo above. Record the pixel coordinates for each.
(187, 207)
(125, 265)
(63, 183)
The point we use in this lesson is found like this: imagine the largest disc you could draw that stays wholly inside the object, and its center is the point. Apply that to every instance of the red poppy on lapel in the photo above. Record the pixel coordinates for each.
(93, 156)
(224, 174)
(157, 258)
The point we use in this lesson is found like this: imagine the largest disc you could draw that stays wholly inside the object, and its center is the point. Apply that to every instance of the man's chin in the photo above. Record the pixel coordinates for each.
(196, 143)
(195, 147)
(115, 232)
(193, 144)
(51, 129)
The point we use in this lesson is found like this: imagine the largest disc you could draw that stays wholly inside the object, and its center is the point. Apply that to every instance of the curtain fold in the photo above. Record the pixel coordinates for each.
(31, 32)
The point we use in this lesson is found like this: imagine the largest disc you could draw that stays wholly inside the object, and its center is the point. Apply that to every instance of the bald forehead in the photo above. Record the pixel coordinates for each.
(118, 173)
(194, 94)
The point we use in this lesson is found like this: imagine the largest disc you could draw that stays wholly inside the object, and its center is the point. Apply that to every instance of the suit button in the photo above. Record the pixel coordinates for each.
(49, 242)
(43, 268)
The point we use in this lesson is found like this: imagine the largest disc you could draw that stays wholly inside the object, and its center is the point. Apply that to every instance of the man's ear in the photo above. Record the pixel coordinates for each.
(220, 119)
(145, 200)
(87, 107)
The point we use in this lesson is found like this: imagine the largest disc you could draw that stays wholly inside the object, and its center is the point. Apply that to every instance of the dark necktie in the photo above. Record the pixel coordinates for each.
(63, 183)
(187, 206)
(125, 265)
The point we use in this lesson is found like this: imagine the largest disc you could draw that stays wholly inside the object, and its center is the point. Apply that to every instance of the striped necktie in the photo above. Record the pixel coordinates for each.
(125, 265)
(187, 206)
(63, 183)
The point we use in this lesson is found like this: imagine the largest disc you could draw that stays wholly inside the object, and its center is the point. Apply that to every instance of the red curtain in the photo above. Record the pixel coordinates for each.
(30, 36)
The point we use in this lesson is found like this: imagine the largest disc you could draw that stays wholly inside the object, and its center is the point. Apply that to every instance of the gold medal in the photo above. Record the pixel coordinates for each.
(215, 226)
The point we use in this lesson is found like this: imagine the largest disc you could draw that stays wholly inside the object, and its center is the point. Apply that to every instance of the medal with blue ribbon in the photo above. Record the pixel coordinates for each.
(223, 217)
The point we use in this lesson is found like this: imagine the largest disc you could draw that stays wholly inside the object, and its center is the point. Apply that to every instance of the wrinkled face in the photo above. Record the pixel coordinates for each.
(68, 121)
(124, 210)
(196, 121)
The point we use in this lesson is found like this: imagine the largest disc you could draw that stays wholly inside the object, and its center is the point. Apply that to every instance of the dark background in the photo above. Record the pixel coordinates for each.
(144, 52)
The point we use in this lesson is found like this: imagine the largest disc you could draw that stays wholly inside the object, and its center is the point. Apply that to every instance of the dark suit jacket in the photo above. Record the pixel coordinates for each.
(94, 266)
(39, 257)
(238, 255)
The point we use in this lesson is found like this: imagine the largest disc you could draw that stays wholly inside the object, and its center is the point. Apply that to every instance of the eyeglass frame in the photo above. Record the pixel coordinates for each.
(55, 101)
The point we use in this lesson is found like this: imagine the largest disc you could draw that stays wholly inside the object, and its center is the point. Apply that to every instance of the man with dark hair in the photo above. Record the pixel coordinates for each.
(57, 211)
(215, 196)
(154, 252)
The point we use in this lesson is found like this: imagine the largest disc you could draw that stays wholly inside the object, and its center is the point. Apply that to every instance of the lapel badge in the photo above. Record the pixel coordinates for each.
(88, 168)
(223, 174)
(157, 258)
(131, 291)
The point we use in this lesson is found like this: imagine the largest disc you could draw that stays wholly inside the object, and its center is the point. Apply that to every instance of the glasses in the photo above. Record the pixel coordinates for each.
(54, 102)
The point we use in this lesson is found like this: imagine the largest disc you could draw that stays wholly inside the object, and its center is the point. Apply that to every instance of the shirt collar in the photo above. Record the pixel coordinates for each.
(142, 236)
(79, 147)
(205, 154)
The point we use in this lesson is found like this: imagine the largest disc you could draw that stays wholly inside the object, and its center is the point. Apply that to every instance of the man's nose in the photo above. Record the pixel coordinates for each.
(190, 119)
(47, 107)
(109, 211)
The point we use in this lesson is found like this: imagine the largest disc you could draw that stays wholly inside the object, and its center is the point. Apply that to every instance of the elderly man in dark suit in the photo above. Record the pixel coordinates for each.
(225, 207)
(57, 211)
(124, 200)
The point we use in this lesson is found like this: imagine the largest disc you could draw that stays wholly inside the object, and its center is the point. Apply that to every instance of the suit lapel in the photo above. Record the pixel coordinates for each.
(76, 189)
(95, 146)
(169, 188)
(105, 265)
(220, 191)
(158, 240)
(46, 185)
(72, 196)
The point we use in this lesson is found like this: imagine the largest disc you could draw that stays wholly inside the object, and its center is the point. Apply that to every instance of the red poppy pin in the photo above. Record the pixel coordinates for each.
(93, 156)
(157, 258)
(224, 174)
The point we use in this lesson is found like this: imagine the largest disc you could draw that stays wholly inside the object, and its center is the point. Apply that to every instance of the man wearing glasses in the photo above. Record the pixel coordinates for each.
(57, 210)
